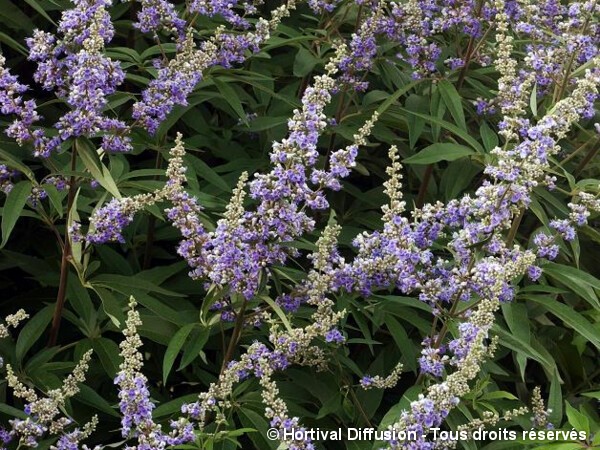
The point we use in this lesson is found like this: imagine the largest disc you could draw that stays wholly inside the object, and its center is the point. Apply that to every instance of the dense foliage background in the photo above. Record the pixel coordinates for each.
(548, 336)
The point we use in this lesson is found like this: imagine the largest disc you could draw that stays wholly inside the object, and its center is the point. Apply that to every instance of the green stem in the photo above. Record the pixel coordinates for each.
(579, 150)
(565, 82)
(590, 156)
(514, 228)
(237, 331)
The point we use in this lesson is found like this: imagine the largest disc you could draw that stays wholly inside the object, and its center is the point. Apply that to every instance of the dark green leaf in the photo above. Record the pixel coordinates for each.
(173, 349)
(572, 318)
(90, 397)
(15, 202)
(108, 353)
(304, 62)
(231, 98)
(453, 102)
(33, 329)
(99, 171)
(439, 152)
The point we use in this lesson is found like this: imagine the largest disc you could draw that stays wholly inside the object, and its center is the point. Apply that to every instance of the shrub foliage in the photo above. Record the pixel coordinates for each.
(221, 217)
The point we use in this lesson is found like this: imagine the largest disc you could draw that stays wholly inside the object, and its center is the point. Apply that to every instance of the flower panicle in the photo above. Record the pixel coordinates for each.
(44, 412)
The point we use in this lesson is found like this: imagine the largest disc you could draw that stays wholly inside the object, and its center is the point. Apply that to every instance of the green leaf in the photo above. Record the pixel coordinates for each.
(448, 126)
(453, 102)
(12, 412)
(403, 342)
(15, 163)
(108, 353)
(131, 54)
(278, 311)
(555, 400)
(437, 109)
(208, 173)
(79, 300)
(513, 343)
(578, 420)
(457, 177)
(580, 282)
(125, 284)
(231, 98)
(163, 48)
(304, 62)
(561, 446)
(55, 198)
(15, 18)
(572, 318)
(90, 397)
(404, 301)
(98, 170)
(489, 138)
(114, 260)
(40, 359)
(35, 5)
(111, 306)
(416, 124)
(410, 395)
(156, 328)
(251, 418)
(266, 123)
(498, 395)
(173, 406)
(15, 202)
(517, 320)
(533, 100)
(395, 96)
(194, 345)
(13, 44)
(439, 152)
(32, 331)
(595, 395)
(161, 309)
(173, 349)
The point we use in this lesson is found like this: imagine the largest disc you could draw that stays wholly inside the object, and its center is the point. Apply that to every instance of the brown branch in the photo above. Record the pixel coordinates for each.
(424, 185)
(65, 259)
(235, 337)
